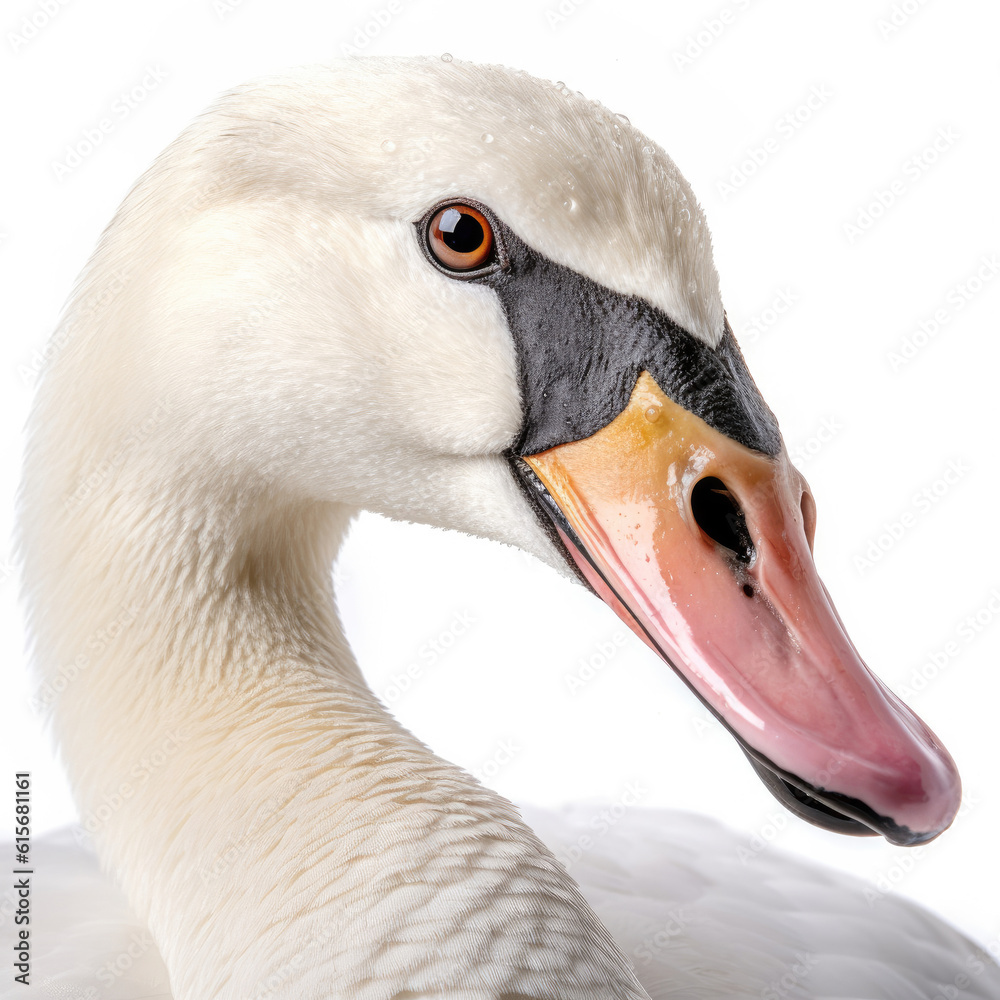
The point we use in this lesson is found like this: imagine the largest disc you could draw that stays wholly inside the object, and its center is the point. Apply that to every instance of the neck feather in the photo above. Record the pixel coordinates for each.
(276, 828)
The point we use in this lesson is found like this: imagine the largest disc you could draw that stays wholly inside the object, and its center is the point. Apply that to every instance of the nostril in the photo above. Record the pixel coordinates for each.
(721, 517)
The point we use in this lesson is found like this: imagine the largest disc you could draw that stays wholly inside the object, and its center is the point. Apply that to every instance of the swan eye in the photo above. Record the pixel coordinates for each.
(460, 238)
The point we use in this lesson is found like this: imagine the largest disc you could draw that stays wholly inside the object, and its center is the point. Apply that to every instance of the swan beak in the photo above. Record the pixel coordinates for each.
(704, 548)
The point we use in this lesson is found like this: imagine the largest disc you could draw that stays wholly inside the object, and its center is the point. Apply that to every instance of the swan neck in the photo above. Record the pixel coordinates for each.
(256, 802)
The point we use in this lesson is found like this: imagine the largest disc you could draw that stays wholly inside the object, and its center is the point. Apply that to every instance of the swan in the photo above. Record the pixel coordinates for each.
(450, 294)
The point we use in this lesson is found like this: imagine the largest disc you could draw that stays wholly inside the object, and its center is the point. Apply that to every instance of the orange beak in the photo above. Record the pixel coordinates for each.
(704, 548)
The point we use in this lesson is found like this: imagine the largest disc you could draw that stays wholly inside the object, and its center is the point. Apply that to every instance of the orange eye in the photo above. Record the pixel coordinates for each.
(460, 237)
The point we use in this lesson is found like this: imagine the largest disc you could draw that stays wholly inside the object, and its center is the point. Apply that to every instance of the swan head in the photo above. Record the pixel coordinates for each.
(455, 294)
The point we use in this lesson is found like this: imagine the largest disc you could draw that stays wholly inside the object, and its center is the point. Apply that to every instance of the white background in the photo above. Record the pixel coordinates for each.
(872, 437)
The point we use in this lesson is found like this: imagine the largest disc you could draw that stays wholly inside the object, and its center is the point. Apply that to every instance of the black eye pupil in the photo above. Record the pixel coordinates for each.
(461, 232)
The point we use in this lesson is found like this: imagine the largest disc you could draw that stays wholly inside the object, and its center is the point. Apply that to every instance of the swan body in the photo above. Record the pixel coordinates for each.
(675, 890)
(261, 347)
